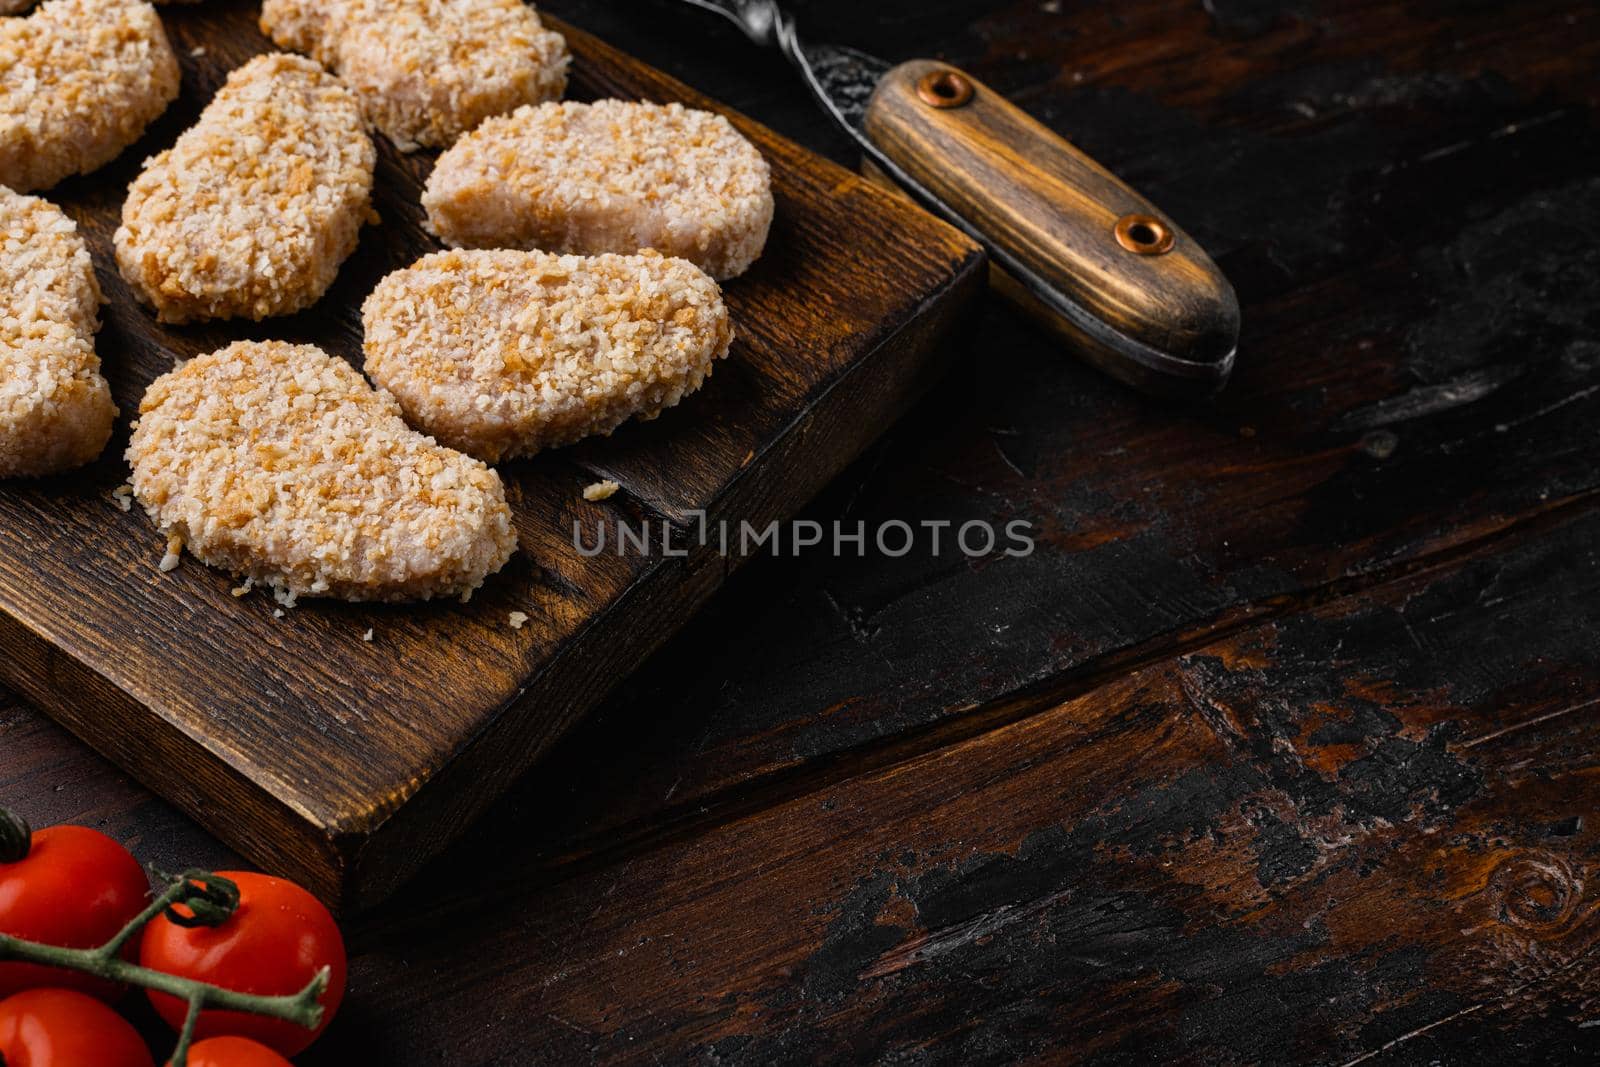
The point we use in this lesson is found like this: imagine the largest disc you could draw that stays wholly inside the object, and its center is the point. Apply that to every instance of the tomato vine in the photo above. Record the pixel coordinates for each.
(192, 898)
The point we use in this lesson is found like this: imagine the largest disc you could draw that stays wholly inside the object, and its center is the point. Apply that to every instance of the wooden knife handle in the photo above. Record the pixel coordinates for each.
(1134, 294)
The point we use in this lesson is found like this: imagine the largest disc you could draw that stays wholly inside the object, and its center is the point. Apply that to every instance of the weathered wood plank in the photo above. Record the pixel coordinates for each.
(1297, 844)
(1206, 108)
(1409, 207)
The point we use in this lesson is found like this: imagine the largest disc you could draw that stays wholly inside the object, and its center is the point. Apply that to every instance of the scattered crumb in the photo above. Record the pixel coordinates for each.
(277, 613)
(169, 562)
(1380, 444)
(123, 495)
(518, 620)
(599, 490)
(197, 51)
(241, 590)
(367, 637)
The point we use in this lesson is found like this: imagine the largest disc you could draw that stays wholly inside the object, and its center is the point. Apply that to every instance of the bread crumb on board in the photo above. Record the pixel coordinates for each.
(611, 176)
(79, 82)
(427, 71)
(367, 637)
(601, 490)
(279, 463)
(518, 619)
(174, 556)
(502, 353)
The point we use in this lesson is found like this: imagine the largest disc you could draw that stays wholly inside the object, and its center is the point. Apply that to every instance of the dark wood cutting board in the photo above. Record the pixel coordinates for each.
(345, 763)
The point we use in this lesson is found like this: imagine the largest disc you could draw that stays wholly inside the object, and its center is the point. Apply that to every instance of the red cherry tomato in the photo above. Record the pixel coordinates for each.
(232, 1052)
(76, 888)
(276, 942)
(63, 1028)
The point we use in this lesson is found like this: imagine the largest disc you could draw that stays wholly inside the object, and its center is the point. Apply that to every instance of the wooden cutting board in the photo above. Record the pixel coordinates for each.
(345, 763)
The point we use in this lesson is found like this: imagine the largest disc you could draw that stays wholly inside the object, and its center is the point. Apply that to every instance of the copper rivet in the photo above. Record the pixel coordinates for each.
(1144, 235)
(945, 88)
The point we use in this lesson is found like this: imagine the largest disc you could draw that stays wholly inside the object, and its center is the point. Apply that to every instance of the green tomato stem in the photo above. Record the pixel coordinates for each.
(180, 1055)
(16, 838)
(106, 962)
(299, 1008)
(169, 896)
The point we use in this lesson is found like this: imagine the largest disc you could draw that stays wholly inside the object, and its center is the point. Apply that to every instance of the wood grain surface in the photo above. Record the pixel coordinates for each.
(1151, 867)
(346, 762)
(1278, 749)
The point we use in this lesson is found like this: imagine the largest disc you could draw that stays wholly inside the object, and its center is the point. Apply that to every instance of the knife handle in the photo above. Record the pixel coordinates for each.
(1089, 257)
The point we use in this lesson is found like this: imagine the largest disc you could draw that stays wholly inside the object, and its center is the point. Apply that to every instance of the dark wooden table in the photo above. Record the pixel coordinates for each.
(1281, 747)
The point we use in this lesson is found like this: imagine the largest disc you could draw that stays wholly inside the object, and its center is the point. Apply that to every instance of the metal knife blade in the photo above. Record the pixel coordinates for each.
(842, 79)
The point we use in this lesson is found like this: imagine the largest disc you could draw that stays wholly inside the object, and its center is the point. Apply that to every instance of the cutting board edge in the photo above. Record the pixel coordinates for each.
(916, 349)
(83, 701)
(354, 858)
(257, 805)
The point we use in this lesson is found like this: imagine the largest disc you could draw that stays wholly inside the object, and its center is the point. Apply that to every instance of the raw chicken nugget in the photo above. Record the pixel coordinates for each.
(17, 7)
(280, 462)
(611, 176)
(55, 408)
(503, 353)
(427, 71)
(79, 82)
(255, 207)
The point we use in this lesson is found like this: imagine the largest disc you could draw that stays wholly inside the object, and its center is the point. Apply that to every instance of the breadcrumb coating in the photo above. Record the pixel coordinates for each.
(79, 82)
(280, 463)
(55, 408)
(17, 7)
(253, 210)
(611, 176)
(427, 71)
(504, 353)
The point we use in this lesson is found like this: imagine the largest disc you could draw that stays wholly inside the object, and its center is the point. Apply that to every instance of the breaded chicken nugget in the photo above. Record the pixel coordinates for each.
(427, 71)
(279, 462)
(610, 176)
(17, 7)
(253, 210)
(79, 82)
(55, 408)
(503, 353)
